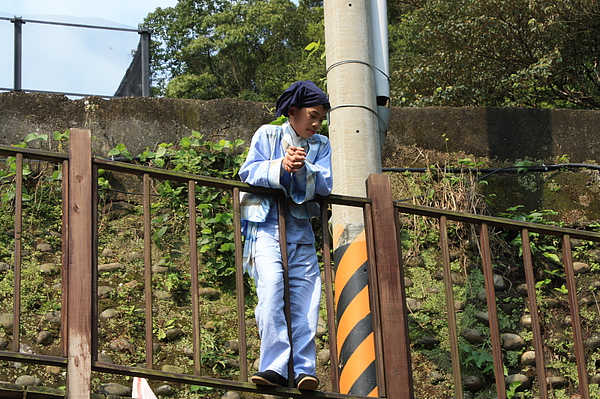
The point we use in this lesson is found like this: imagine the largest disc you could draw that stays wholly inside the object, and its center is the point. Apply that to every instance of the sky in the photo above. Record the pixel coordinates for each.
(72, 59)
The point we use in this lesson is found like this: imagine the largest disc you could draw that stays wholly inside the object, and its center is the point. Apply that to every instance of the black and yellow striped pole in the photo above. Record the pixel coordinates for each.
(356, 347)
(355, 141)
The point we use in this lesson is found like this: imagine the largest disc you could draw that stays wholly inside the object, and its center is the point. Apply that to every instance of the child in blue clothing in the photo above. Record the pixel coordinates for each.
(296, 159)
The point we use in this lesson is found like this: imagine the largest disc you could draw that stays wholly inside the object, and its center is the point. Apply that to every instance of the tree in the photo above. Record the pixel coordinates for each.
(496, 53)
(250, 49)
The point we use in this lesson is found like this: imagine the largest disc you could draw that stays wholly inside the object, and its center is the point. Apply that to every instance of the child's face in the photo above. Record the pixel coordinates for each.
(307, 121)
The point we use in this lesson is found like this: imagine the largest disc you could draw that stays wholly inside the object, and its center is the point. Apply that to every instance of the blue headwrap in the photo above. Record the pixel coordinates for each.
(303, 93)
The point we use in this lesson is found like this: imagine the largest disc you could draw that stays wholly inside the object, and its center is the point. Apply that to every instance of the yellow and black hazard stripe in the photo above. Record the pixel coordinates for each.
(356, 346)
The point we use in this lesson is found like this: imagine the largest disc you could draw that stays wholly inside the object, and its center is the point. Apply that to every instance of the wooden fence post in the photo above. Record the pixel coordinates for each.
(80, 296)
(392, 310)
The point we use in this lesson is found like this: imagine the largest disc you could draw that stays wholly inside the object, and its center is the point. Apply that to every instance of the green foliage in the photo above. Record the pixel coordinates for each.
(480, 358)
(495, 53)
(251, 49)
(214, 215)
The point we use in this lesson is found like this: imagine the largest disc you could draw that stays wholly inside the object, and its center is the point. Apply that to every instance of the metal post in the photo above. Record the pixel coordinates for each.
(145, 49)
(18, 51)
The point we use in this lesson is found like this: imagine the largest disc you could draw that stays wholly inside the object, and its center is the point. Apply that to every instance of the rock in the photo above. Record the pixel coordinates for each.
(44, 338)
(54, 370)
(413, 305)
(321, 328)
(121, 345)
(104, 292)
(499, 283)
(49, 269)
(209, 293)
(595, 379)
(436, 377)
(593, 341)
(164, 295)
(28, 380)
(172, 369)
(483, 317)
(53, 317)
(408, 282)
(44, 247)
(131, 284)
(521, 289)
(552, 302)
(114, 389)
(525, 321)
(580, 267)
(482, 295)
(528, 358)
(3, 343)
(525, 383)
(6, 321)
(459, 306)
(164, 390)
(323, 357)
(512, 342)
(231, 395)
(233, 345)
(108, 314)
(173, 334)
(472, 336)
(109, 267)
(222, 311)
(131, 256)
(158, 269)
(4, 267)
(473, 383)
(107, 253)
(557, 382)
(566, 321)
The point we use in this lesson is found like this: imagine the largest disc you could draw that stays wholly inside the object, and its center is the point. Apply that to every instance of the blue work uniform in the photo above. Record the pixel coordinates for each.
(262, 255)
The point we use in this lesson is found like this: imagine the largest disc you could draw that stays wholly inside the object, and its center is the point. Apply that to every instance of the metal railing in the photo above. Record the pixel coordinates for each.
(79, 328)
(141, 59)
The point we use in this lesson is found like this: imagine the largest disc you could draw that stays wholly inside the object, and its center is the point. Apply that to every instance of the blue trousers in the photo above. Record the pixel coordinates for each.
(305, 295)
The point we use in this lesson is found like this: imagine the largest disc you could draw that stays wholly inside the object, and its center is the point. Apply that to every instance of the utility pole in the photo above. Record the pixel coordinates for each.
(356, 147)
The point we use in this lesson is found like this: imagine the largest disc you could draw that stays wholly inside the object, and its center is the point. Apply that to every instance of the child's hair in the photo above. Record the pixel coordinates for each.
(301, 94)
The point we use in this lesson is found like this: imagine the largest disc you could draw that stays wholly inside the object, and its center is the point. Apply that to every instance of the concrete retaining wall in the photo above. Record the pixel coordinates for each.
(502, 133)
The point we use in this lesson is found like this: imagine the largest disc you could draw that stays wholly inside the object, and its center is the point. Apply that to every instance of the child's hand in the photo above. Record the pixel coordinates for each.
(294, 159)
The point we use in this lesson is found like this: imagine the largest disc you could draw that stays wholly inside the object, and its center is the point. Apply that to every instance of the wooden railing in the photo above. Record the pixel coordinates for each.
(382, 216)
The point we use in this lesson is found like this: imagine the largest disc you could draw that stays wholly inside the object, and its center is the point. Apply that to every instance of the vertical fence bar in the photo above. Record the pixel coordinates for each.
(540, 365)
(64, 342)
(145, 49)
(239, 284)
(16, 342)
(490, 293)
(392, 295)
(94, 261)
(79, 311)
(584, 390)
(194, 276)
(148, 272)
(18, 52)
(452, 328)
(329, 302)
(374, 300)
(286, 286)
